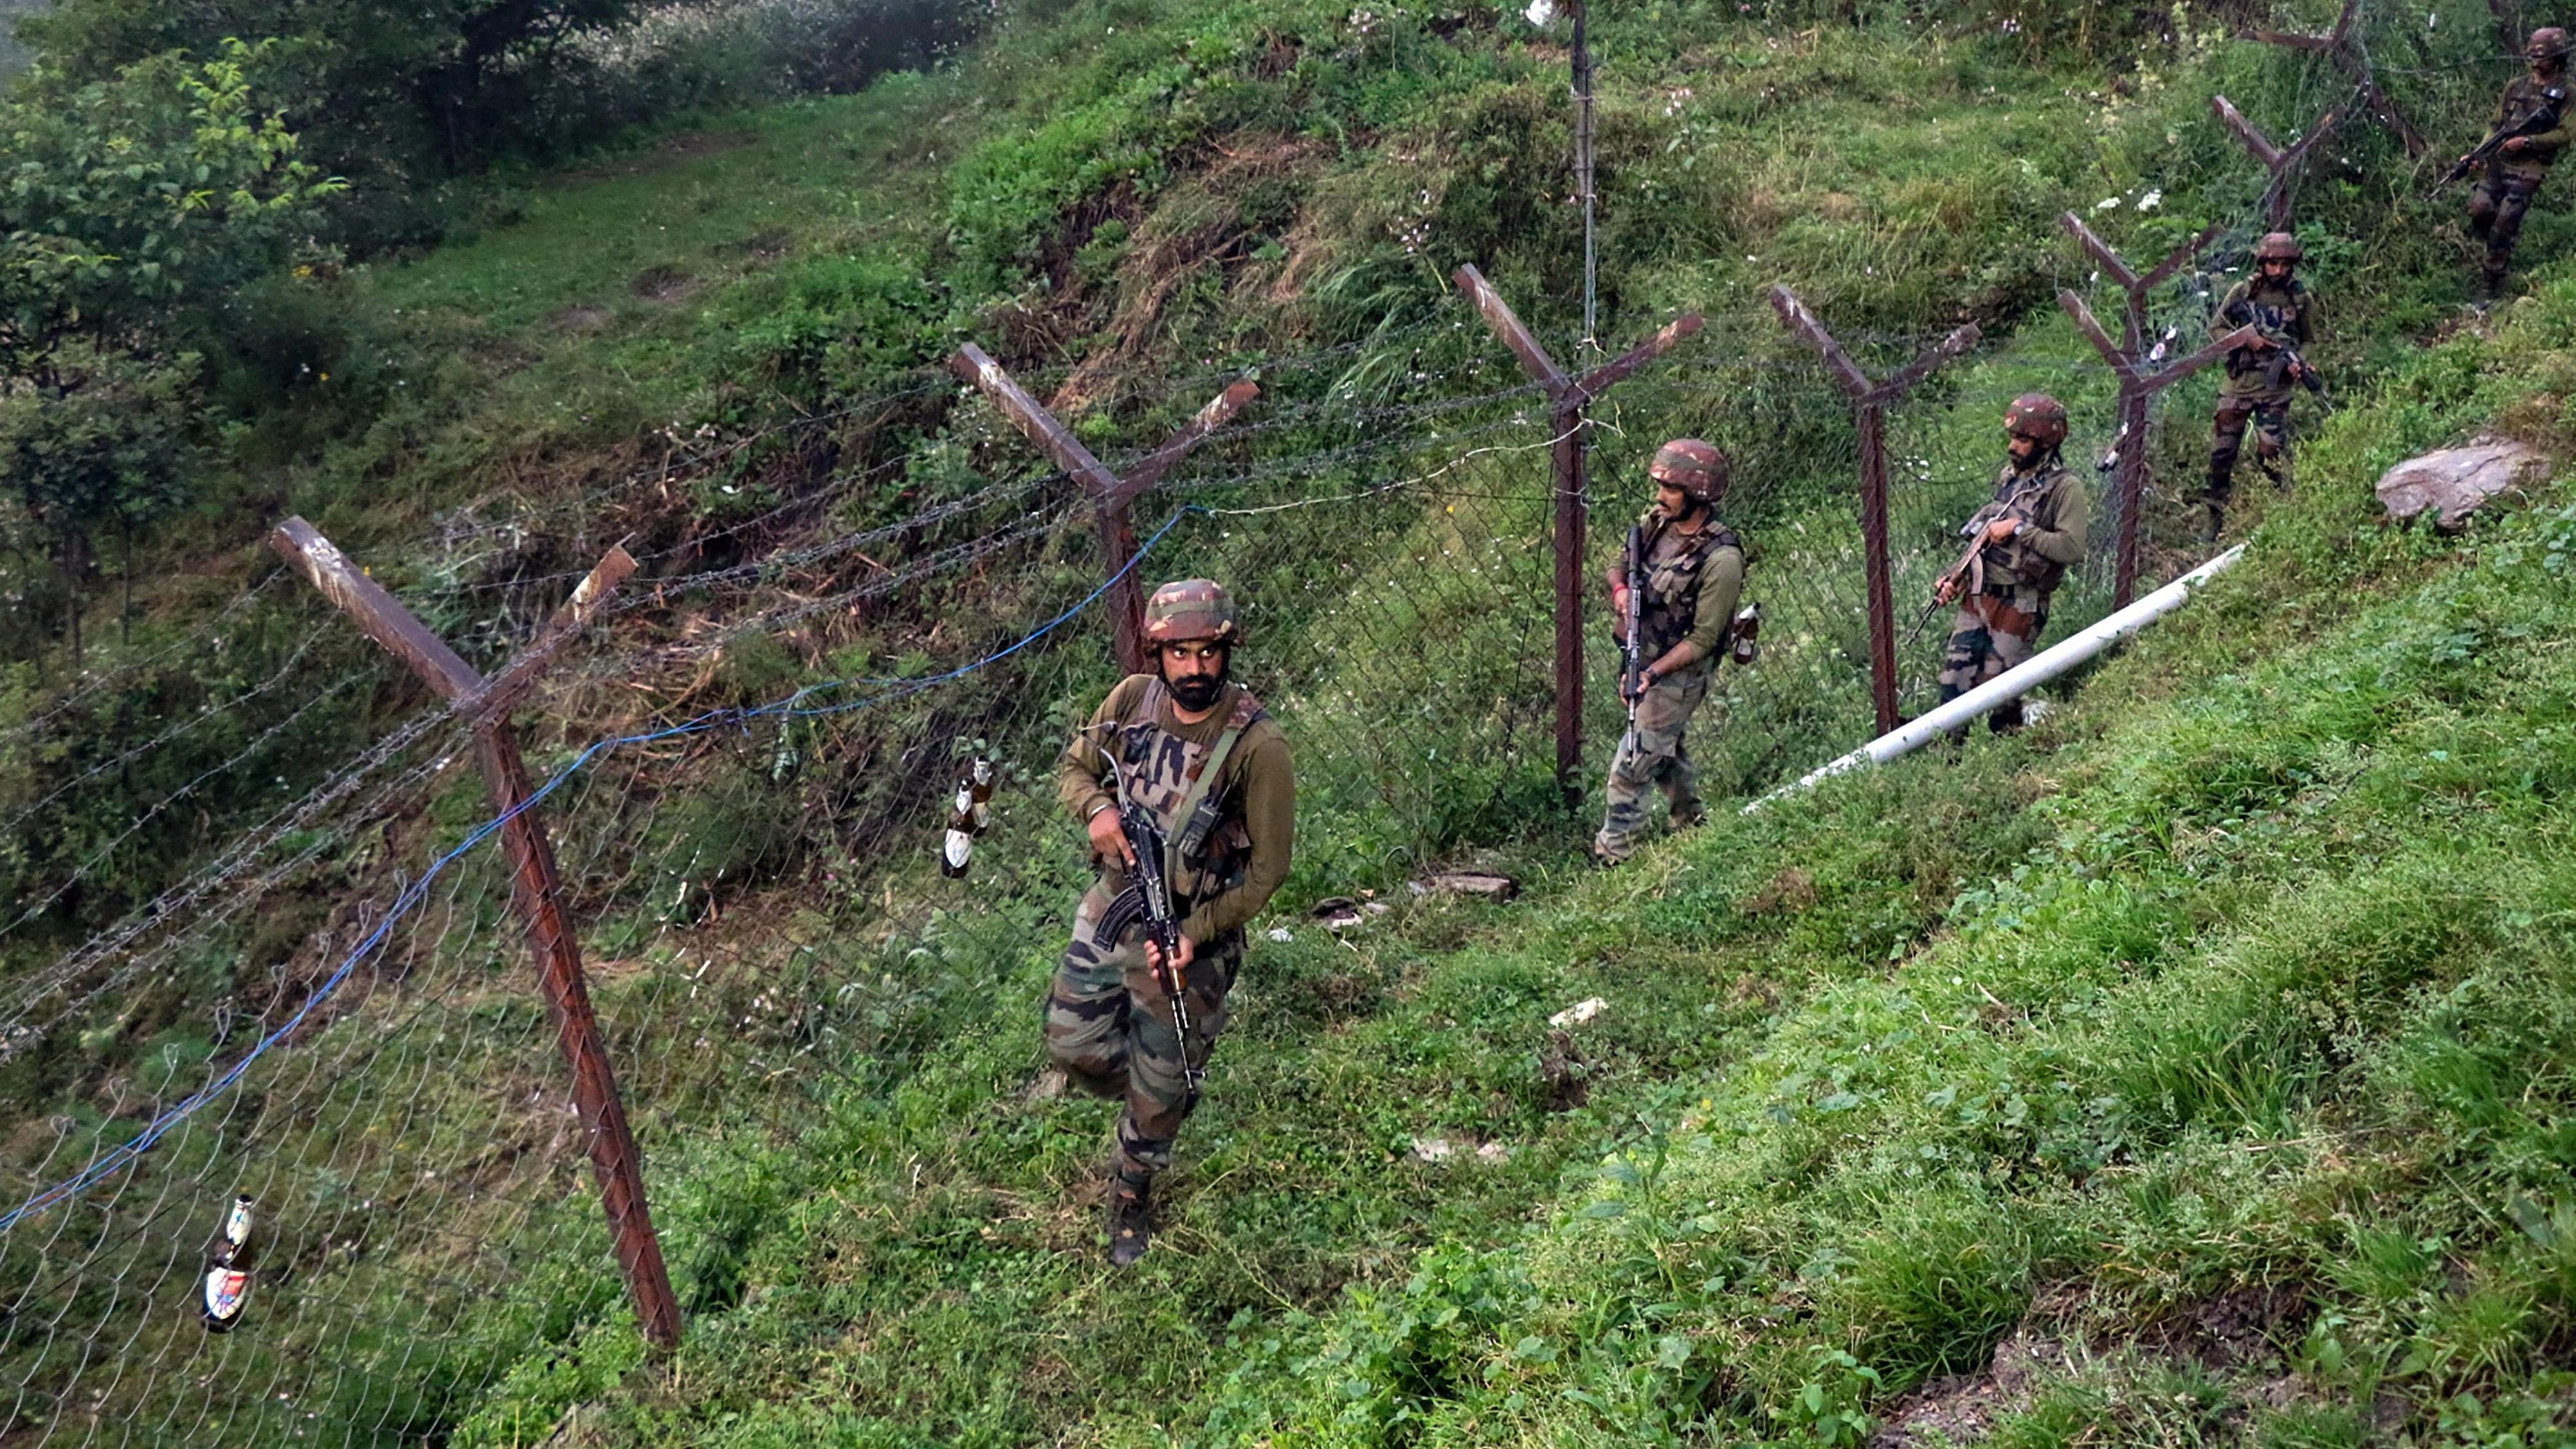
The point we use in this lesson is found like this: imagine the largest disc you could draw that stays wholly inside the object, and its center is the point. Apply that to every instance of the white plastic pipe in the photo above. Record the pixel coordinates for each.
(2017, 681)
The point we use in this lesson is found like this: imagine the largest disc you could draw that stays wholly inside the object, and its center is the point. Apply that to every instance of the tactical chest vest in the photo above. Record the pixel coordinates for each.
(2021, 502)
(1669, 609)
(1206, 851)
(2274, 310)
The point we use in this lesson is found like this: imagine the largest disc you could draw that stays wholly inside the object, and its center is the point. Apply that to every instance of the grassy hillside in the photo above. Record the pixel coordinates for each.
(2196, 1069)
(2199, 1051)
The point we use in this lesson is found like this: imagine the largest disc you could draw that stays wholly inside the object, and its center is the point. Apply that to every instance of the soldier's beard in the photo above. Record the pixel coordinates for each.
(1198, 691)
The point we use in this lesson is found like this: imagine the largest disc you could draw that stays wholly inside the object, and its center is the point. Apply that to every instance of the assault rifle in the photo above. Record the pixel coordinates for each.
(1632, 644)
(2542, 117)
(2287, 363)
(1148, 898)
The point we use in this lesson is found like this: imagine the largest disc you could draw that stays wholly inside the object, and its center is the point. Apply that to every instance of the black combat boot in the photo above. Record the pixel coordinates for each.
(1131, 1218)
(2213, 517)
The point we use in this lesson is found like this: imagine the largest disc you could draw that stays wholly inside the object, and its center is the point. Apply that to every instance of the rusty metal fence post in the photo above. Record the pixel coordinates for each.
(1568, 396)
(1869, 402)
(2134, 361)
(1112, 496)
(536, 882)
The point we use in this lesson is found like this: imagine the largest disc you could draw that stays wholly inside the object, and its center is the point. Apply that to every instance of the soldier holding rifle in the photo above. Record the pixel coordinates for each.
(1182, 782)
(2019, 545)
(2282, 311)
(1673, 592)
(2527, 134)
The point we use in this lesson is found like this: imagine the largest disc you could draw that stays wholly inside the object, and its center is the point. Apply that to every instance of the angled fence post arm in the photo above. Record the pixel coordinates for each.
(2091, 327)
(2176, 260)
(1674, 333)
(503, 691)
(1902, 381)
(536, 884)
(1838, 364)
(1507, 325)
(1149, 470)
(1109, 506)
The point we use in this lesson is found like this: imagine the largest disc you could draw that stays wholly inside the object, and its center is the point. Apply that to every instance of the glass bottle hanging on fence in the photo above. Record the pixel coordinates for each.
(227, 1284)
(979, 781)
(959, 846)
(973, 812)
(1746, 634)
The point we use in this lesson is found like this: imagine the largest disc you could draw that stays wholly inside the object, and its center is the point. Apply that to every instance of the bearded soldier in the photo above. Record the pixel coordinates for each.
(2282, 311)
(2020, 545)
(2516, 168)
(1690, 571)
(1199, 757)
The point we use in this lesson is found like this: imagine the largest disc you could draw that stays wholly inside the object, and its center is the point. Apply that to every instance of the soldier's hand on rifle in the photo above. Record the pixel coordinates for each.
(2001, 530)
(2517, 143)
(1107, 839)
(1181, 958)
(1945, 588)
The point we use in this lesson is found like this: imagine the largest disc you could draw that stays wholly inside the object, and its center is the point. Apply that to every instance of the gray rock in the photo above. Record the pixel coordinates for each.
(2456, 482)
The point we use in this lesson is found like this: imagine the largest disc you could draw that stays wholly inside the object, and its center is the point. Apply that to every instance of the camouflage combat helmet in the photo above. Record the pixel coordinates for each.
(1191, 609)
(2279, 246)
(1698, 469)
(2547, 43)
(2039, 416)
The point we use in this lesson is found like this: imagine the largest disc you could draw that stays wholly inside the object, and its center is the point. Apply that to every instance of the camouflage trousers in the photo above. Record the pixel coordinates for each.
(2496, 210)
(2269, 413)
(1652, 754)
(1109, 1026)
(1993, 632)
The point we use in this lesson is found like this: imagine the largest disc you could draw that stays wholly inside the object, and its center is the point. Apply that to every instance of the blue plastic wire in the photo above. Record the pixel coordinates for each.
(793, 706)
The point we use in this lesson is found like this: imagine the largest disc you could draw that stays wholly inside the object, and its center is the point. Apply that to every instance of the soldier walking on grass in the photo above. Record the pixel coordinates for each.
(1199, 757)
(2533, 104)
(2020, 544)
(2282, 311)
(1690, 570)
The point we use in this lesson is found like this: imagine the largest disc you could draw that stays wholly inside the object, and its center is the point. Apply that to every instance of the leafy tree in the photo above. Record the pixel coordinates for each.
(123, 201)
(124, 198)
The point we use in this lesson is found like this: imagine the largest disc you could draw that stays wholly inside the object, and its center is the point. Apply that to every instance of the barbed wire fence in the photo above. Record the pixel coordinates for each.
(330, 1013)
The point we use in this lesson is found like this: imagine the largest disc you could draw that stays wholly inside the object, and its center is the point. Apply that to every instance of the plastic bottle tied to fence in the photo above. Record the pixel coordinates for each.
(979, 784)
(959, 846)
(1747, 634)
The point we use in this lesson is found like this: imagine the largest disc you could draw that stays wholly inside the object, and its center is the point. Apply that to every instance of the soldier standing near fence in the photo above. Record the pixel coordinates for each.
(1691, 568)
(2282, 311)
(2020, 544)
(2518, 167)
(1180, 743)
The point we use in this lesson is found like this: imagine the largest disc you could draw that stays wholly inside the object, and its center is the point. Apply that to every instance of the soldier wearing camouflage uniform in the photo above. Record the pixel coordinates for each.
(2517, 168)
(1694, 573)
(2283, 313)
(1186, 743)
(2027, 535)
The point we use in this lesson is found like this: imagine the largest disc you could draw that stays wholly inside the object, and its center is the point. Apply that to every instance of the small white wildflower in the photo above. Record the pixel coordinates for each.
(2154, 198)
(2108, 203)
(1541, 12)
